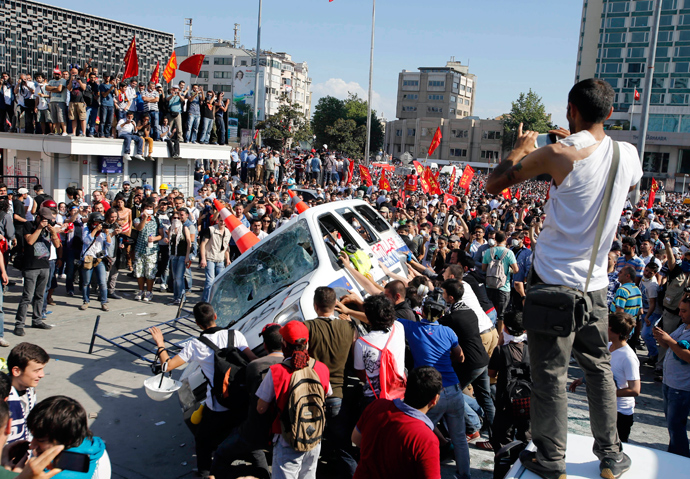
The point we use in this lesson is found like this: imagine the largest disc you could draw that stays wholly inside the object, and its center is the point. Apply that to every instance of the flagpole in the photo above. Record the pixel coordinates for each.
(632, 112)
(371, 72)
(258, 58)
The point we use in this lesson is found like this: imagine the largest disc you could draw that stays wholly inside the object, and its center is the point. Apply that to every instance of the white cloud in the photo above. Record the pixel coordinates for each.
(339, 88)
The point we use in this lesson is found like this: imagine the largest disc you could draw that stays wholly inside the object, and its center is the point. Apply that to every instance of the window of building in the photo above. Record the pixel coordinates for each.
(203, 74)
(243, 63)
(425, 131)
(632, 82)
(684, 20)
(618, 7)
(657, 98)
(411, 131)
(639, 22)
(682, 67)
(434, 109)
(685, 124)
(222, 61)
(661, 67)
(222, 74)
(683, 35)
(458, 152)
(462, 87)
(435, 97)
(615, 22)
(398, 132)
(489, 155)
(611, 81)
(643, 6)
(459, 133)
(437, 83)
(609, 67)
(491, 135)
(287, 81)
(636, 37)
(456, 86)
(611, 52)
(275, 64)
(453, 99)
(410, 82)
(469, 89)
(451, 110)
(615, 38)
(679, 99)
(410, 96)
(205, 62)
(681, 51)
(679, 82)
(409, 108)
(683, 162)
(666, 36)
(666, 20)
(225, 88)
(654, 162)
(636, 52)
(667, 123)
(662, 52)
(658, 82)
(669, 4)
(636, 67)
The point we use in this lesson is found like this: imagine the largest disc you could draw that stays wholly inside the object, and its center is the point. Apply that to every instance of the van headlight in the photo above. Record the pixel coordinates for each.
(288, 314)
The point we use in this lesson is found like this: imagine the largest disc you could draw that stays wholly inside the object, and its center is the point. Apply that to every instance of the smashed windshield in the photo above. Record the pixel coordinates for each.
(278, 261)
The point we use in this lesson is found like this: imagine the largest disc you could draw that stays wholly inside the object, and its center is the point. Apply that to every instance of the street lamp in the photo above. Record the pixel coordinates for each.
(684, 176)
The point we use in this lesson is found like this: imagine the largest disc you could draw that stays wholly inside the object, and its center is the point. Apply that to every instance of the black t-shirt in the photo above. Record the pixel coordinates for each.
(476, 282)
(404, 311)
(498, 363)
(76, 95)
(257, 427)
(206, 111)
(93, 86)
(37, 256)
(465, 324)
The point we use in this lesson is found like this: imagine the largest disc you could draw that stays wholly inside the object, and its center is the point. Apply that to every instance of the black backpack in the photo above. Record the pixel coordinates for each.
(229, 386)
(88, 96)
(519, 384)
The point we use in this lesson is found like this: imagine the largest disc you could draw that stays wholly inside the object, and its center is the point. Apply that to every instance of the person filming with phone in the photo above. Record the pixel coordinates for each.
(565, 308)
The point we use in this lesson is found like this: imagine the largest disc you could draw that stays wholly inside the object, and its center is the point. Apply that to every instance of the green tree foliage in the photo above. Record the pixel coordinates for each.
(244, 113)
(289, 124)
(529, 110)
(341, 124)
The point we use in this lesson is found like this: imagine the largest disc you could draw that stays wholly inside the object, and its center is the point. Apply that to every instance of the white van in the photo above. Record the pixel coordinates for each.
(274, 281)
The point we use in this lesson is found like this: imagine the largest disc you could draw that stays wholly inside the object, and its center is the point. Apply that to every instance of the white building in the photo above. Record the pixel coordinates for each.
(232, 70)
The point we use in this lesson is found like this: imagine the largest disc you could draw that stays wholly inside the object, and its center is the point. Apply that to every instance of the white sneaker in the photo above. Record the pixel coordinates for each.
(64, 133)
(148, 296)
(138, 157)
(164, 288)
(126, 157)
(139, 296)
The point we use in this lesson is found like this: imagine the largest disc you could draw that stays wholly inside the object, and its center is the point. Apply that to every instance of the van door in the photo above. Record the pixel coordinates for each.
(366, 238)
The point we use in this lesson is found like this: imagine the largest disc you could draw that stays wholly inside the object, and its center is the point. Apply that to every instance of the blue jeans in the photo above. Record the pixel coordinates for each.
(221, 130)
(91, 114)
(50, 281)
(106, 115)
(2, 315)
(155, 134)
(479, 378)
(676, 410)
(192, 127)
(177, 270)
(289, 464)
(213, 269)
(101, 277)
(206, 127)
(648, 337)
(451, 407)
(492, 316)
(473, 414)
(337, 433)
(128, 137)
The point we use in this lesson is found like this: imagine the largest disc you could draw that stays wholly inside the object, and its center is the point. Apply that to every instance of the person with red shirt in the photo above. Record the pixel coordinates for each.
(396, 437)
(275, 389)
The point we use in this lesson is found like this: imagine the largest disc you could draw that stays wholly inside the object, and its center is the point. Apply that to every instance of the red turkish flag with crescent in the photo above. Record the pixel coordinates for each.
(192, 64)
(466, 179)
(450, 200)
(452, 181)
(636, 96)
(383, 182)
(421, 175)
(652, 193)
(365, 175)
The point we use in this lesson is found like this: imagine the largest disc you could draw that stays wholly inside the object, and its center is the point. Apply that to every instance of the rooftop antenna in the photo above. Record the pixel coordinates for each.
(188, 35)
(236, 40)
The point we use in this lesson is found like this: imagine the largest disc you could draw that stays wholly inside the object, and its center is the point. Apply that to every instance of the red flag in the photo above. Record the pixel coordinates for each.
(169, 71)
(365, 175)
(466, 179)
(383, 182)
(435, 141)
(131, 61)
(450, 200)
(434, 187)
(636, 95)
(256, 133)
(452, 181)
(155, 76)
(652, 193)
(517, 194)
(351, 170)
(506, 194)
(192, 64)
(422, 178)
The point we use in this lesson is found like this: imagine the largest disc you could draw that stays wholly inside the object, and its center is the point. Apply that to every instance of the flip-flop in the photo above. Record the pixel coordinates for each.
(484, 445)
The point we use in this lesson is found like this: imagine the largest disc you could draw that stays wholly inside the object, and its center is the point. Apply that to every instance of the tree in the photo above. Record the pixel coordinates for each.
(244, 113)
(288, 124)
(334, 133)
(528, 110)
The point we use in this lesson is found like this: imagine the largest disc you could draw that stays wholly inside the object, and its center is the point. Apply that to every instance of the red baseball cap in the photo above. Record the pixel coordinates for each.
(57, 71)
(269, 325)
(294, 331)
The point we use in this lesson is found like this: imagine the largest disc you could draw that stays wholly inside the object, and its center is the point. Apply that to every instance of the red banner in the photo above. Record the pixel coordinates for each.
(452, 181)
(169, 70)
(652, 193)
(131, 61)
(155, 76)
(518, 195)
(192, 64)
(506, 194)
(365, 175)
(422, 178)
(435, 141)
(466, 179)
(351, 170)
(434, 187)
(383, 182)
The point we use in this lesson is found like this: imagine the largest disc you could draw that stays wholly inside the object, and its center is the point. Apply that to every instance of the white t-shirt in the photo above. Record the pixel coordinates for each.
(368, 359)
(625, 367)
(29, 203)
(470, 299)
(649, 289)
(572, 213)
(195, 350)
(647, 259)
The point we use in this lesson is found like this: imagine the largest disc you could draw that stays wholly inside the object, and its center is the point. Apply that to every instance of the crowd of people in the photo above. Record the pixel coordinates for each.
(427, 363)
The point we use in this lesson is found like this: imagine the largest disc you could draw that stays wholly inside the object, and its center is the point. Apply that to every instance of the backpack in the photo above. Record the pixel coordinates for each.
(496, 273)
(229, 387)
(519, 384)
(391, 384)
(304, 417)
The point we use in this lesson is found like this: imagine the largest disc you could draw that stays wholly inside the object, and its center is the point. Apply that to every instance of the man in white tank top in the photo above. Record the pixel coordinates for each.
(579, 165)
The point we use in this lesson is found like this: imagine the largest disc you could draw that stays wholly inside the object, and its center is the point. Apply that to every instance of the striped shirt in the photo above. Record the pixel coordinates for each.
(629, 298)
(636, 262)
(153, 105)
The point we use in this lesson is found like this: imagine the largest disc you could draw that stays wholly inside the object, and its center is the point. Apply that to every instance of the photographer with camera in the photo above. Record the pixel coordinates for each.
(96, 238)
(38, 236)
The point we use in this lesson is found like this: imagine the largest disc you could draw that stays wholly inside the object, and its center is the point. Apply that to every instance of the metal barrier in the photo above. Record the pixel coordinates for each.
(14, 182)
(176, 332)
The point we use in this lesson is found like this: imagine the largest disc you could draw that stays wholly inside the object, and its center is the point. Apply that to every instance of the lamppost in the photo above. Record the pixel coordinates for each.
(684, 177)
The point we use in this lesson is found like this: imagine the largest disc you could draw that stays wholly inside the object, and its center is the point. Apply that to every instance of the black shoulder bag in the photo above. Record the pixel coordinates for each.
(557, 310)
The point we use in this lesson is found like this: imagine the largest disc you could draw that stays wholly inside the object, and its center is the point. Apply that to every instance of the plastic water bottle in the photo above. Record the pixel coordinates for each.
(150, 241)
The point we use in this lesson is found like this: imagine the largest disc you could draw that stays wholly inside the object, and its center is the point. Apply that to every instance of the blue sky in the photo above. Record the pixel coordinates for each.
(511, 46)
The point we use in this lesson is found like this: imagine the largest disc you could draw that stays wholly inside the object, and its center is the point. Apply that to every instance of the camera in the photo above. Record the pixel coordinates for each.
(100, 254)
(664, 236)
(434, 305)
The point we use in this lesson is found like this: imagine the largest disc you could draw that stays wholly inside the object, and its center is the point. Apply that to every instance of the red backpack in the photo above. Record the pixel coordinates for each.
(392, 385)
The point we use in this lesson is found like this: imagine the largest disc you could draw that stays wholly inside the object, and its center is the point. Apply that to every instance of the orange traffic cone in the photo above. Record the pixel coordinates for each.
(244, 239)
(301, 206)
